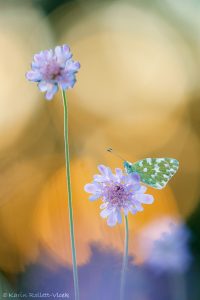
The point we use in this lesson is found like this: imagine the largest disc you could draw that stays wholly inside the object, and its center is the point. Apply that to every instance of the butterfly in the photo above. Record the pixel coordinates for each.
(155, 172)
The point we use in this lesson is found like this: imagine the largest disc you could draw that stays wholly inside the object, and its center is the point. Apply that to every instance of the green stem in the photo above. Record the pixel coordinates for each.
(71, 223)
(125, 261)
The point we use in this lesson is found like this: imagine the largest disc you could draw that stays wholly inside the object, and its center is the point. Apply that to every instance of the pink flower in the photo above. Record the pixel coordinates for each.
(120, 193)
(53, 69)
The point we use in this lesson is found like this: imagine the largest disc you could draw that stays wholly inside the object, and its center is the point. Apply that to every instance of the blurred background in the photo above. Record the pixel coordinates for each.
(138, 91)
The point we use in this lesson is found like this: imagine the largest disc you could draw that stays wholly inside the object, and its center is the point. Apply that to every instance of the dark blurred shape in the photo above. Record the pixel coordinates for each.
(50, 5)
(194, 225)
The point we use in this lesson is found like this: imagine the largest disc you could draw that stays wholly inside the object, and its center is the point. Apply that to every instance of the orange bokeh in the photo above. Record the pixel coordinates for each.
(51, 216)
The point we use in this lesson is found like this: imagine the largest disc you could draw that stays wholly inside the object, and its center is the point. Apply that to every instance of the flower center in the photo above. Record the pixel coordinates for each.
(116, 195)
(51, 70)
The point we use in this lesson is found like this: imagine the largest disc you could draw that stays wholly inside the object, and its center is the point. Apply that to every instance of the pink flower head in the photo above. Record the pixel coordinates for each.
(53, 69)
(120, 192)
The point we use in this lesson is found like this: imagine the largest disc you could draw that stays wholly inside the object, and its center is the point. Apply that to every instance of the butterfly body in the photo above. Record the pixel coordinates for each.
(155, 172)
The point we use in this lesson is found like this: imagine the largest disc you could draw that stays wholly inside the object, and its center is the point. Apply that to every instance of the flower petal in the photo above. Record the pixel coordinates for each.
(95, 197)
(103, 170)
(144, 198)
(126, 210)
(133, 210)
(133, 178)
(103, 205)
(34, 75)
(66, 48)
(119, 172)
(62, 54)
(43, 86)
(48, 54)
(142, 189)
(134, 187)
(72, 66)
(99, 178)
(52, 89)
(67, 81)
(91, 188)
(106, 173)
(38, 59)
(119, 216)
(110, 175)
(138, 206)
(112, 219)
(105, 213)
(59, 51)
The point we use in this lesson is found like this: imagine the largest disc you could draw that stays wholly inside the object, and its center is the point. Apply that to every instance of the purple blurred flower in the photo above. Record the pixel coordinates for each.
(53, 69)
(171, 251)
(119, 192)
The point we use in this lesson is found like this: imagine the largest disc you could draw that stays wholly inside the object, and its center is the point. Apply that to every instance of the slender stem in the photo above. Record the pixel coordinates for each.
(71, 223)
(125, 261)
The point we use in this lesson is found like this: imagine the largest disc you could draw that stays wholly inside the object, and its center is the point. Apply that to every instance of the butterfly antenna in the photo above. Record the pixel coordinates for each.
(116, 154)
